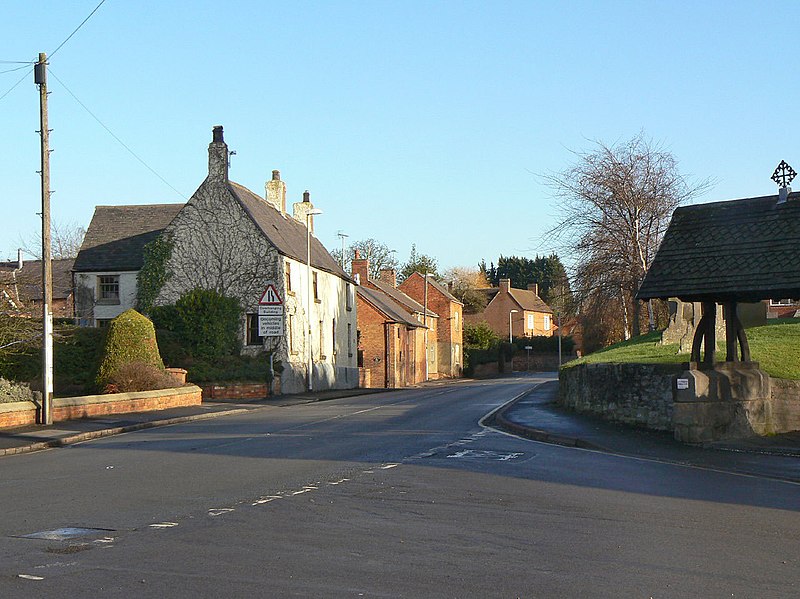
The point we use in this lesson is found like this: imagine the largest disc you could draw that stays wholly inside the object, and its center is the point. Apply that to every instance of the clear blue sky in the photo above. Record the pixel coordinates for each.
(410, 122)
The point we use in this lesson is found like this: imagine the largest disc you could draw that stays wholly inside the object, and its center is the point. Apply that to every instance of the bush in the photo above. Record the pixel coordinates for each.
(253, 369)
(480, 336)
(131, 338)
(11, 392)
(206, 322)
(139, 376)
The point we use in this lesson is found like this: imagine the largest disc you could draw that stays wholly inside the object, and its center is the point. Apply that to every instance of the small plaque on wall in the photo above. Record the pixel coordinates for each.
(683, 383)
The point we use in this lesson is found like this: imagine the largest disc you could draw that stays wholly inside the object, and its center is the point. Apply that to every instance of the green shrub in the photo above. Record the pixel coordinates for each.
(131, 338)
(254, 369)
(11, 392)
(480, 336)
(139, 376)
(207, 323)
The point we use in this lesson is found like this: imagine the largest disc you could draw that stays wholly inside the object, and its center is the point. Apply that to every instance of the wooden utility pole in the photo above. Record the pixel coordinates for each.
(40, 78)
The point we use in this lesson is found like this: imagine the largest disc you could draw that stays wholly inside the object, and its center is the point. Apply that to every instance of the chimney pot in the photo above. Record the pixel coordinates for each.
(218, 156)
(306, 196)
(218, 135)
(276, 175)
(505, 285)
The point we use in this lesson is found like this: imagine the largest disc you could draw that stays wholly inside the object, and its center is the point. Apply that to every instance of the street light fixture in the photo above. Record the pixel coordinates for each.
(309, 214)
(510, 340)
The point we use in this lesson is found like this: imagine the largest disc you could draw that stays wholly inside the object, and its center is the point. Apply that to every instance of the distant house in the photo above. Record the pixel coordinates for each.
(523, 308)
(231, 240)
(449, 334)
(394, 331)
(112, 255)
(21, 287)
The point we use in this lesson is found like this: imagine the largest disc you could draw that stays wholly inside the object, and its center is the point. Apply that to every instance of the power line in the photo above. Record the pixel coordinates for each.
(110, 132)
(24, 66)
(76, 29)
(17, 62)
(16, 84)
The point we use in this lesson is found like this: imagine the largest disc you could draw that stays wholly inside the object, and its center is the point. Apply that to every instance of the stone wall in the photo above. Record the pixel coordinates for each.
(785, 405)
(637, 394)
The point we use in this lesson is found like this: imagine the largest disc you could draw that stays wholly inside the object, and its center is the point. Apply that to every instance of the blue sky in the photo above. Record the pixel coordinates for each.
(410, 122)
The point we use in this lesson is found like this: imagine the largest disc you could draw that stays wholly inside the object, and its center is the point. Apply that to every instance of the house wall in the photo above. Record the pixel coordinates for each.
(449, 330)
(334, 361)
(88, 310)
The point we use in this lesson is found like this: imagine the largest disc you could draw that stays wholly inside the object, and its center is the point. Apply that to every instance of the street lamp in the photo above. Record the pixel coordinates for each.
(309, 214)
(510, 340)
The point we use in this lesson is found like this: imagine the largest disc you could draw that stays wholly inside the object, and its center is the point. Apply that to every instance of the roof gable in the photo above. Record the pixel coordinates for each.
(117, 235)
(388, 307)
(742, 250)
(398, 296)
(438, 287)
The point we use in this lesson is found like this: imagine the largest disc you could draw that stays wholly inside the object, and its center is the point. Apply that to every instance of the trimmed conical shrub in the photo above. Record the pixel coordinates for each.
(131, 339)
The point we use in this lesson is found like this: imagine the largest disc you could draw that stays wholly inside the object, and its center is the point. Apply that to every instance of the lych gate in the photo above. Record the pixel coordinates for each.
(727, 253)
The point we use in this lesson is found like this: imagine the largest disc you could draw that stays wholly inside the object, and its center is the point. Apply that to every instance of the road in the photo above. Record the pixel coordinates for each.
(401, 494)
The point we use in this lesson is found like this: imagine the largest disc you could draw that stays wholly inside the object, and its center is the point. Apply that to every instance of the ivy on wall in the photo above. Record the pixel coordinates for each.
(153, 275)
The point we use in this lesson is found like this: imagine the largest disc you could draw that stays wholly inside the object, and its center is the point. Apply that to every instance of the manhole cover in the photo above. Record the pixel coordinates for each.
(65, 534)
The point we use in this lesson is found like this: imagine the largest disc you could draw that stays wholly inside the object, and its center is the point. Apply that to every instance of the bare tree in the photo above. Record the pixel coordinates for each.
(65, 241)
(465, 284)
(614, 205)
(379, 255)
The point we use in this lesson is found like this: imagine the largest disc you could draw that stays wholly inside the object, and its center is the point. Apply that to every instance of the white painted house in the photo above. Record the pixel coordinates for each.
(229, 239)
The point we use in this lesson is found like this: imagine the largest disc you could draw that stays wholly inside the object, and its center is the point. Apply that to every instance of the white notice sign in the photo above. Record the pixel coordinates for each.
(683, 383)
(270, 310)
(270, 326)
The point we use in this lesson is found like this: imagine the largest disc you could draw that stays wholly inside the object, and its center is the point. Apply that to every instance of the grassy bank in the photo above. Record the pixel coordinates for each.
(776, 346)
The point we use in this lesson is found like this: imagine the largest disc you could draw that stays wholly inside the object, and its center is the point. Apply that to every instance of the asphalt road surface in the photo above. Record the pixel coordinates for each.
(401, 494)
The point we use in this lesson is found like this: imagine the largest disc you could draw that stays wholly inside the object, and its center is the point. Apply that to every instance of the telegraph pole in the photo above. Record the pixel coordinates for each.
(40, 78)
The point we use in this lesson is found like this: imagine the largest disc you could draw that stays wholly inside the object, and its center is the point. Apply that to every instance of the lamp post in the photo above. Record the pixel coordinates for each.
(309, 214)
(510, 339)
(425, 322)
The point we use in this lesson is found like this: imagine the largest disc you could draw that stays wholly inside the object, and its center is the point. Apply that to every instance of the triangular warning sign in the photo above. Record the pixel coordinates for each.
(270, 297)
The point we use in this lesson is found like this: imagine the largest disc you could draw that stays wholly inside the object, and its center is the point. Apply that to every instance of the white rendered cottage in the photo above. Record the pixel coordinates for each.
(229, 239)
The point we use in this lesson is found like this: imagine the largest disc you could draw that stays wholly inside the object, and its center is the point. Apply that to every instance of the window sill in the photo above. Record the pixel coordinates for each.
(108, 302)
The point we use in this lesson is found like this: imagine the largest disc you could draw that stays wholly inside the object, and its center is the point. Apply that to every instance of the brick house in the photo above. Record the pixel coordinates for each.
(533, 317)
(449, 337)
(387, 340)
(21, 287)
(233, 241)
(421, 334)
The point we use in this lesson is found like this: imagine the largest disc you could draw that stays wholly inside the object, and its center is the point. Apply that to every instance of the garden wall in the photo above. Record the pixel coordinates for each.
(638, 394)
(23, 413)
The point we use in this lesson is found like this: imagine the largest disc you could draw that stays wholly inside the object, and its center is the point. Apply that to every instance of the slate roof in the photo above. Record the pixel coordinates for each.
(401, 298)
(744, 250)
(284, 232)
(391, 309)
(117, 235)
(29, 279)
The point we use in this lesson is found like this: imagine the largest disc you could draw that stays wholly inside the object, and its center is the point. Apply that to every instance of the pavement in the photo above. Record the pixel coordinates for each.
(534, 415)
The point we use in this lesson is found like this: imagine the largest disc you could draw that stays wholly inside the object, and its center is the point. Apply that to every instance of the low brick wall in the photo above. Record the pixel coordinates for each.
(638, 394)
(236, 391)
(68, 408)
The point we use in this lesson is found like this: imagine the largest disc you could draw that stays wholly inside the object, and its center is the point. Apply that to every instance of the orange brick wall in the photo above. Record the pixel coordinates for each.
(238, 391)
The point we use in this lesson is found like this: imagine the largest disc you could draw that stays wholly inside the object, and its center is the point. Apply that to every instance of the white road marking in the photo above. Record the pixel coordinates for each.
(164, 525)
(219, 511)
(30, 577)
(388, 466)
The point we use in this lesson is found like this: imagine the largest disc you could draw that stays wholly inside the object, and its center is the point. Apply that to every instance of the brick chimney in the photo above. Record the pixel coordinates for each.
(300, 209)
(505, 285)
(218, 156)
(360, 268)
(389, 276)
(534, 287)
(276, 192)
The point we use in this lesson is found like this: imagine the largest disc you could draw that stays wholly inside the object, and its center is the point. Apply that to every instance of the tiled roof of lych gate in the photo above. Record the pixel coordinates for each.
(117, 235)
(745, 250)
(392, 310)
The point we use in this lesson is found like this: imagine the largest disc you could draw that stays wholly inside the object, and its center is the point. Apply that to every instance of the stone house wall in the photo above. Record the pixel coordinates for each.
(88, 309)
